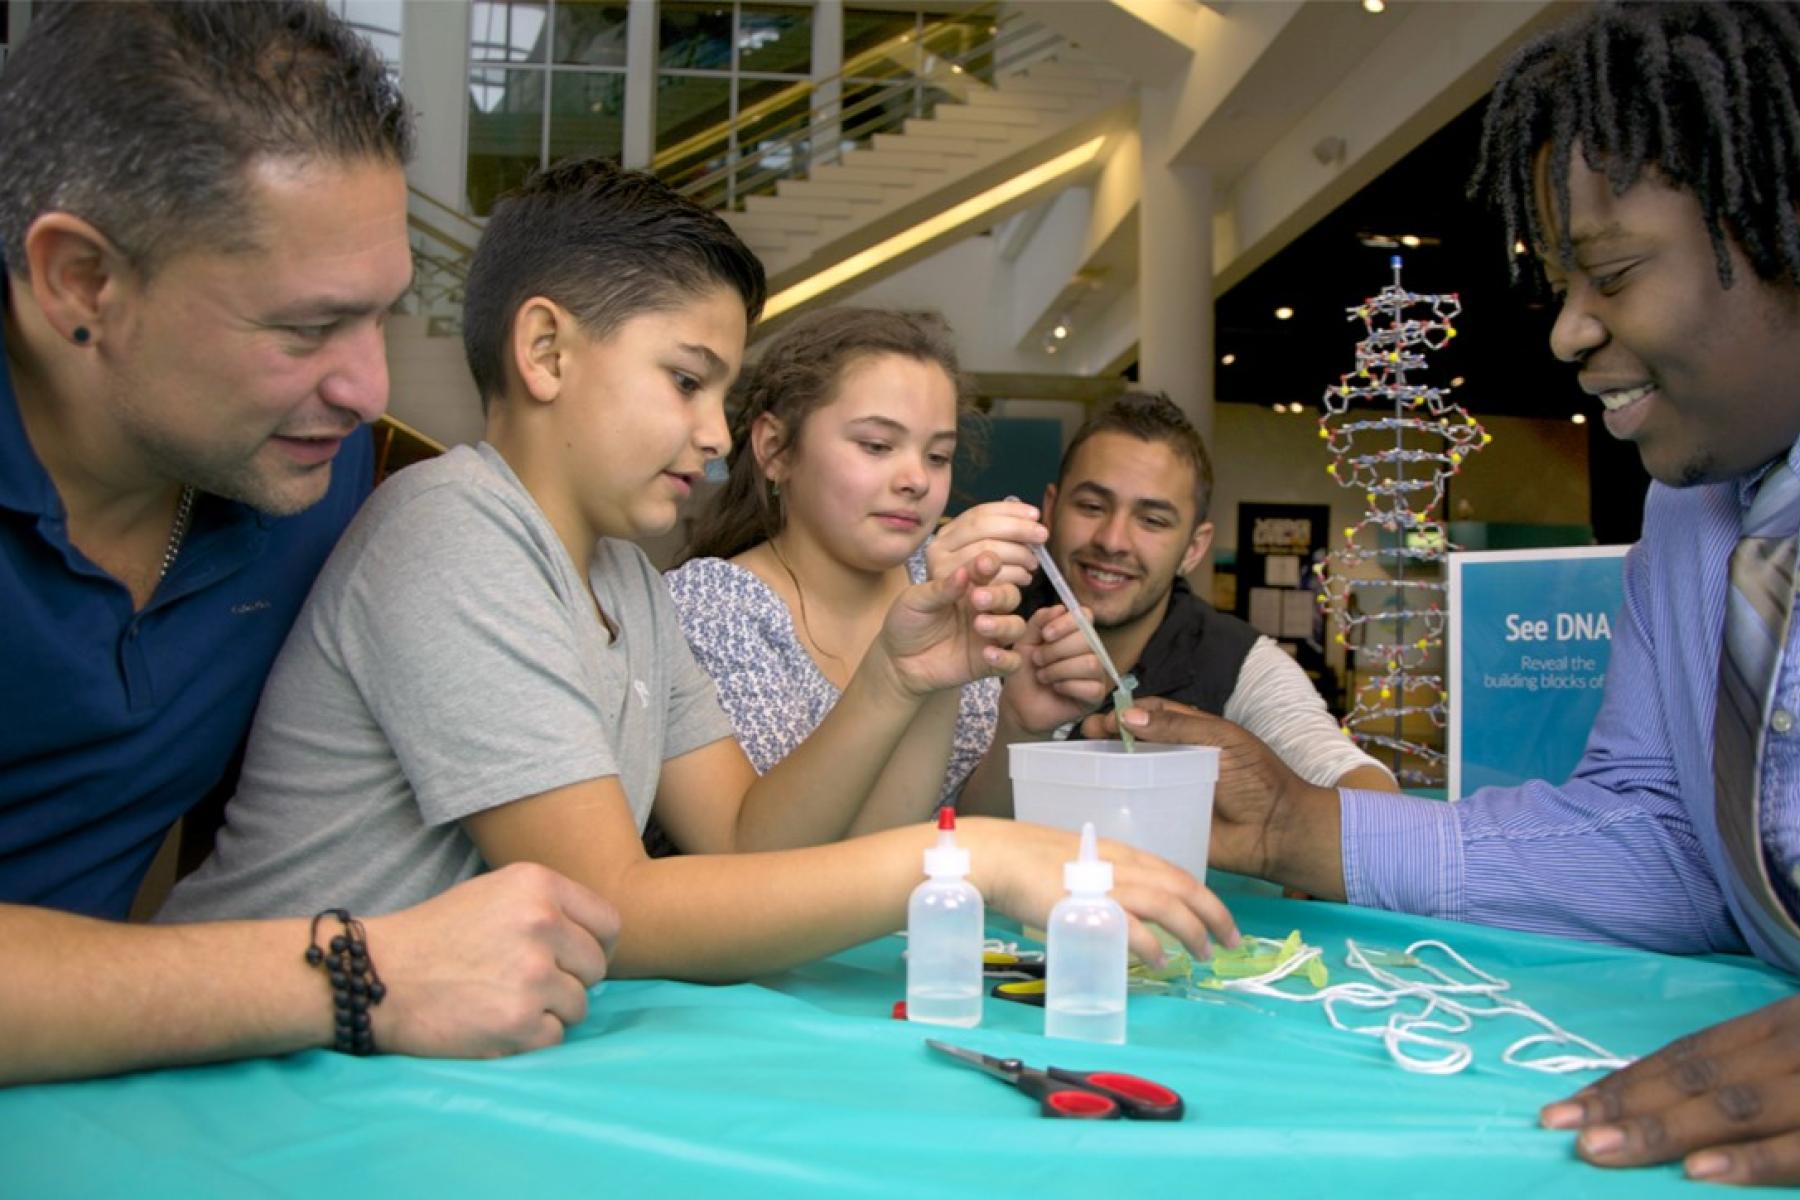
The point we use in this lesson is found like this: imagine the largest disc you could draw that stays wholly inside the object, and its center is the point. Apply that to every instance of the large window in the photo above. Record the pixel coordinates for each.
(546, 82)
(376, 20)
(718, 61)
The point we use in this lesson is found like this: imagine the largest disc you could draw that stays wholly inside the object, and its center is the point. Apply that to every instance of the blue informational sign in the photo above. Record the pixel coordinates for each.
(1530, 635)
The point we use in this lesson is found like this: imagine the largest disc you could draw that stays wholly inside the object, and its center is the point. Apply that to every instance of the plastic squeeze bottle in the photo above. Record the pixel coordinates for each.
(945, 929)
(1084, 980)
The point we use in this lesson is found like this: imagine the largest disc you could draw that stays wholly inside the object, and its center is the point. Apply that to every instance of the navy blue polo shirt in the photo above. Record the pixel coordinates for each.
(113, 723)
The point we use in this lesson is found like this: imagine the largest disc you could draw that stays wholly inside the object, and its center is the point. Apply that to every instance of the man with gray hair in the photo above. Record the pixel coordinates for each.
(204, 226)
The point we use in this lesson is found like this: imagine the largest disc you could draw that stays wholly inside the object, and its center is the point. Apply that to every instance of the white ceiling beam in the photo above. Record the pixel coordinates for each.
(1146, 39)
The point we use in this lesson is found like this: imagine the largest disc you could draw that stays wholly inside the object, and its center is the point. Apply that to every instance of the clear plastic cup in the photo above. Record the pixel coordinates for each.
(1157, 797)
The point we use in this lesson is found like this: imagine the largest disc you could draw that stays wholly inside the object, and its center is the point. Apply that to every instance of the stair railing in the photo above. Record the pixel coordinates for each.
(443, 241)
(728, 171)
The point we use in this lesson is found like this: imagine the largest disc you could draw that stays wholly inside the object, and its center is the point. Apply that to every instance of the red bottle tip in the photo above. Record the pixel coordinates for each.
(946, 817)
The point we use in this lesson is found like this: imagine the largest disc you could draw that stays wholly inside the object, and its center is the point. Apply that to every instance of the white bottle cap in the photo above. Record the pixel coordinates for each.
(946, 859)
(1088, 875)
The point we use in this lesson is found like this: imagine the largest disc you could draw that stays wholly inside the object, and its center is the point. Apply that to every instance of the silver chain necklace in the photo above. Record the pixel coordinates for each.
(184, 512)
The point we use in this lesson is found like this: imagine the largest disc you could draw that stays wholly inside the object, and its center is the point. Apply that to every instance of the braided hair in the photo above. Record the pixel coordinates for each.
(1702, 93)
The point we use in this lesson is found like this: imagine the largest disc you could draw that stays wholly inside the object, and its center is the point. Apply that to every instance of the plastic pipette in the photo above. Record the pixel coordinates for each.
(1122, 692)
(1074, 606)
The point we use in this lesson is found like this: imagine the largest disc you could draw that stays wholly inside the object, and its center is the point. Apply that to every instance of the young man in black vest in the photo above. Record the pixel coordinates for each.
(1127, 519)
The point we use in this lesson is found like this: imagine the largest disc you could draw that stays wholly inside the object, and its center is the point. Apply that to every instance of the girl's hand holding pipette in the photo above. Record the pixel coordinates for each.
(946, 632)
(1006, 529)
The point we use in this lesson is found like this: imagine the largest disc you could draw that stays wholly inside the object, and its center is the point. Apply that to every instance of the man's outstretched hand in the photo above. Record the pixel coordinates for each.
(1726, 1101)
(1267, 821)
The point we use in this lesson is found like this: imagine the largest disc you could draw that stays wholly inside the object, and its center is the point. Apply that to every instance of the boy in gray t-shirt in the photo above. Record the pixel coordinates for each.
(449, 659)
(488, 671)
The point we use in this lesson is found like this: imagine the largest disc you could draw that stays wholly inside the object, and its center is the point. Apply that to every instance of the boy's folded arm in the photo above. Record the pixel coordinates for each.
(713, 917)
(726, 917)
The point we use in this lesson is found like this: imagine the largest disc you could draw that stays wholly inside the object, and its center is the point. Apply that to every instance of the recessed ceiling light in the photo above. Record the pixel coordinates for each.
(1060, 332)
(1376, 240)
(1579, 418)
(1228, 359)
(1374, 6)
(1283, 313)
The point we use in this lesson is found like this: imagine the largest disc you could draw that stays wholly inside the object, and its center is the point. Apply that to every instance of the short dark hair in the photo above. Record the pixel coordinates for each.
(142, 117)
(1701, 93)
(606, 244)
(798, 373)
(1150, 417)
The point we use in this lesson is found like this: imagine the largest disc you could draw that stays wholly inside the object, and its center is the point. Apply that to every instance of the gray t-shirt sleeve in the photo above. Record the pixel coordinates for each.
(457, 633)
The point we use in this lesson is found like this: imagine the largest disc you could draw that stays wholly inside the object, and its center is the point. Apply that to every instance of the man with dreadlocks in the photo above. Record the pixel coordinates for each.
(1650, 154)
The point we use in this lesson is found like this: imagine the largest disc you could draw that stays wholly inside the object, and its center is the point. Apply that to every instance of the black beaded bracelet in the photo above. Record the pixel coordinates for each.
(354, 984)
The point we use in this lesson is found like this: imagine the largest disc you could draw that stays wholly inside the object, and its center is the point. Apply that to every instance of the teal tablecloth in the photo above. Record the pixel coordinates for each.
(801, 1084)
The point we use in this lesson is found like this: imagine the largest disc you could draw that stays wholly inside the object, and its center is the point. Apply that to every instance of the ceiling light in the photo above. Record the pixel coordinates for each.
(1228, 359)
(1579, 418)
(1060, 332)
(1376, 240)
(1457, 382)
(1280, 408)
(1374, 6)
(951, 218)
(1518, 247)
(1284, 313)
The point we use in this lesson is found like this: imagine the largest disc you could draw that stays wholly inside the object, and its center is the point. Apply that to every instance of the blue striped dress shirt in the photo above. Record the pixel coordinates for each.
(1628, 849)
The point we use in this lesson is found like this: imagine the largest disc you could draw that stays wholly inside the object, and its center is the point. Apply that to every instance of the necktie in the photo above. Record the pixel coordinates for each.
(1756, 621)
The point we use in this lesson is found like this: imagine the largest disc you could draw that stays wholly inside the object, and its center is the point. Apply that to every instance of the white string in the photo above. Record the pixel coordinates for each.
(1445, 1011)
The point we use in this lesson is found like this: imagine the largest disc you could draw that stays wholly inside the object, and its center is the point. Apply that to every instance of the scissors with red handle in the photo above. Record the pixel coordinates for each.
(1077, 1095)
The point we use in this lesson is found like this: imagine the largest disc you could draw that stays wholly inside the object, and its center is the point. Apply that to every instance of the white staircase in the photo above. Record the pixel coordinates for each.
(934, 163)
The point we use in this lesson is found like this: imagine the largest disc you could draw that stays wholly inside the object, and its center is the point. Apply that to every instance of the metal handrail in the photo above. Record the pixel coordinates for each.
(956, 64)
(462, 249)
(752, 183)
(415, 196)
(440, 259)
(1029, 40)
(855, 65)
